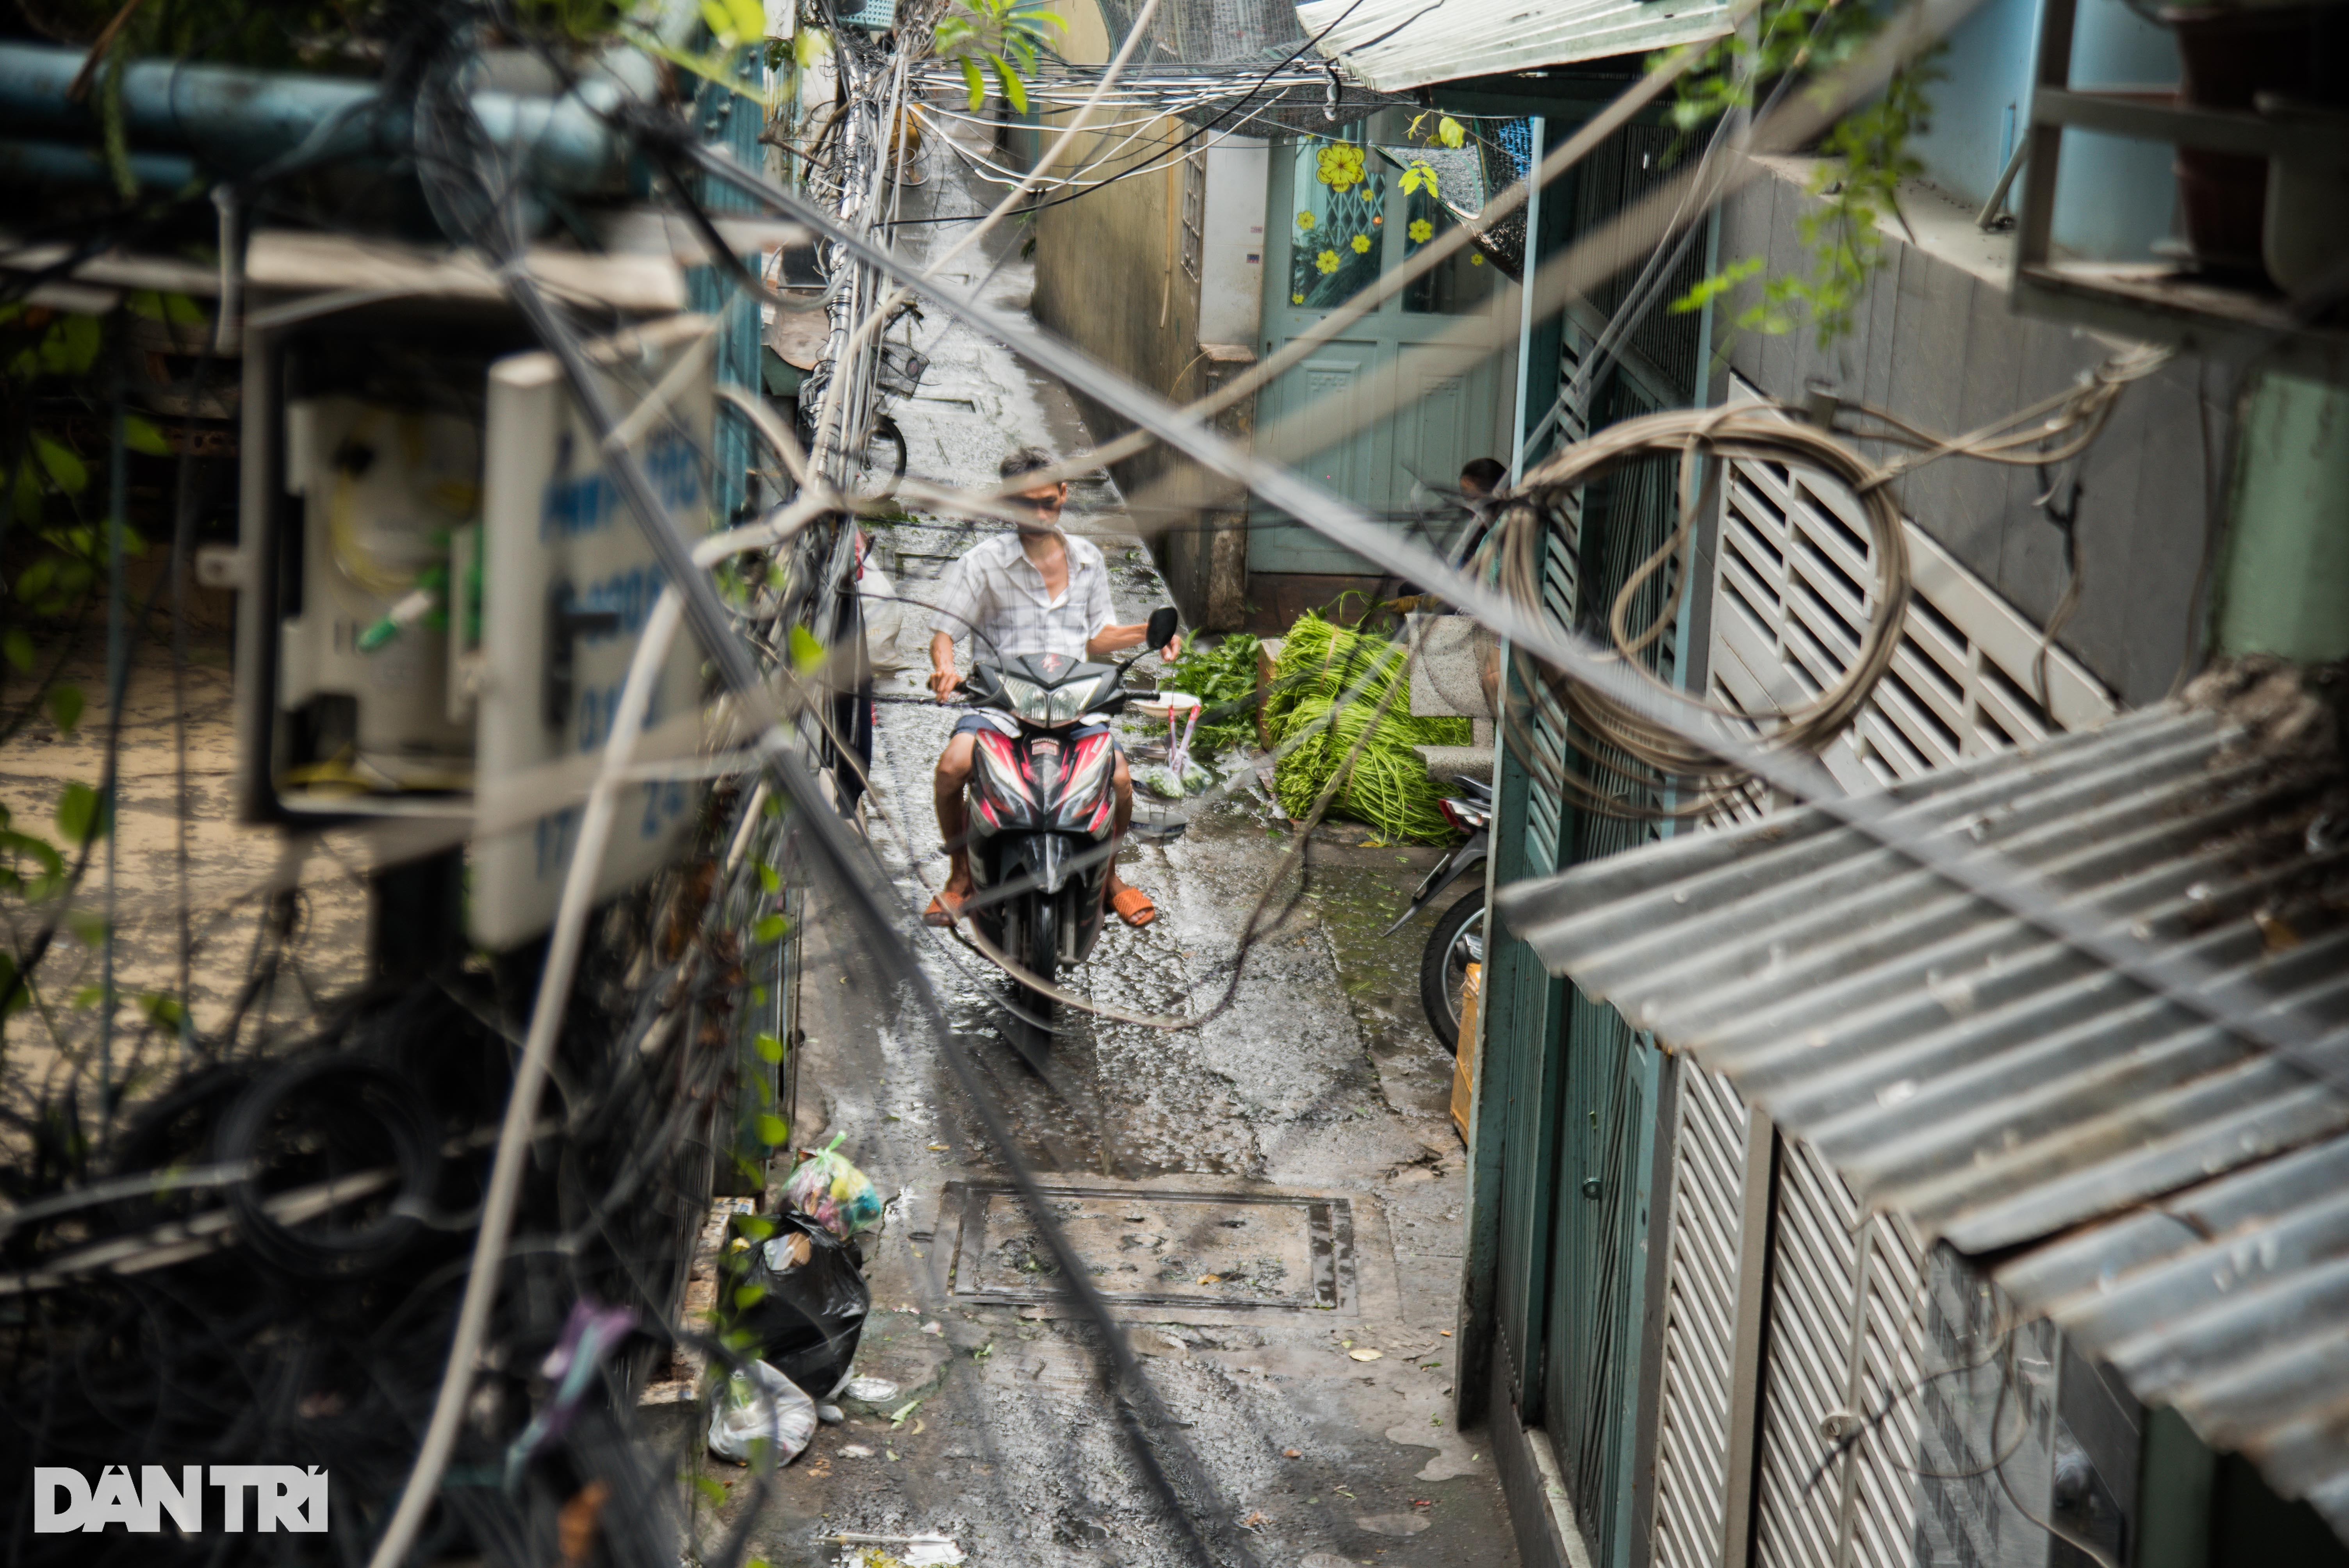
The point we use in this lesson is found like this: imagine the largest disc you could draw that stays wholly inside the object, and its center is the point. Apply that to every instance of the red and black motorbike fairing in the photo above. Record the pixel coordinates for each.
(1039, 782)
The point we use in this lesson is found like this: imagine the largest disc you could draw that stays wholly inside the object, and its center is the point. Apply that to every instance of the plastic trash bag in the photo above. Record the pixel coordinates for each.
(835, 1193)
(761, 1405)
(809, 1306)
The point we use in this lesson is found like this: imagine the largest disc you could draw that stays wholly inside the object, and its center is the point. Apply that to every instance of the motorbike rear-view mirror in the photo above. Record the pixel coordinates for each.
(1163, 624)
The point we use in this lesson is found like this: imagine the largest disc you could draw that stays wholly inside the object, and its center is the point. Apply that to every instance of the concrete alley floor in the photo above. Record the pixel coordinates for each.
(1272, 1201)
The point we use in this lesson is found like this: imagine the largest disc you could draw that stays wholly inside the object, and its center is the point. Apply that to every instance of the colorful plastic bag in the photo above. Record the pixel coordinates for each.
(825, 1187)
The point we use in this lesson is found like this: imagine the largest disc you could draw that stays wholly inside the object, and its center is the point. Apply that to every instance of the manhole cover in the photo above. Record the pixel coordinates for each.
(1160, 1248)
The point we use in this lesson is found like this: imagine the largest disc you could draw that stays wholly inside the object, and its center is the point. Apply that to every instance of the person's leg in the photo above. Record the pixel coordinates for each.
(954, 820)
(1120, 820)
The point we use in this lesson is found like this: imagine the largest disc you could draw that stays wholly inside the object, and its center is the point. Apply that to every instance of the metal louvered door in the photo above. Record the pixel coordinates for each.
(1835, 1484)
(1701, 1281)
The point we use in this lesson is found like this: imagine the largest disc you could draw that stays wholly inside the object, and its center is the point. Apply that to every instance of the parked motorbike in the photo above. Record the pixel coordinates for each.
(1041, 808)
(1458, 939)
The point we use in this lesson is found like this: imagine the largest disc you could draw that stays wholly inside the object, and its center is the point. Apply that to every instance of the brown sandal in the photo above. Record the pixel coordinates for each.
(1134, 907)
(943, 913)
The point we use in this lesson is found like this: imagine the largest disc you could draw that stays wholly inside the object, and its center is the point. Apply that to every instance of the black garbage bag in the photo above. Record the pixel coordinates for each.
(801, 1298)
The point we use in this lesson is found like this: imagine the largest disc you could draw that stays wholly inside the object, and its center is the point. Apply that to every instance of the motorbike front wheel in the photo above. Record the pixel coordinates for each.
(1033, 943)
(1457, 941)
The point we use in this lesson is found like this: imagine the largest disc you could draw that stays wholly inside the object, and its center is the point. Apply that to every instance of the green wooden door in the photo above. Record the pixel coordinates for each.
(1581, 1084)
(1339, 220)
(1609, 1073)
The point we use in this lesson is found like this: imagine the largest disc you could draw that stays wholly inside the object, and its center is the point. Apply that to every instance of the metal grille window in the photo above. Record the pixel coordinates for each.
(1195, 214)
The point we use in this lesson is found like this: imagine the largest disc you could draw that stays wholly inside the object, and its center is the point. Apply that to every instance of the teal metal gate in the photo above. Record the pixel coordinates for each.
(1581, 1086)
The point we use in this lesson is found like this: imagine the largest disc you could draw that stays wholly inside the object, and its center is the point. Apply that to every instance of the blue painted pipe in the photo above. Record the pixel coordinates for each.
(28, 161)
(234, 119)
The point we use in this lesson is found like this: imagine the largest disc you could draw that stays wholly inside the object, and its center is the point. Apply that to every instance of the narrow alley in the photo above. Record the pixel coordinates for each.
(1273, 1198)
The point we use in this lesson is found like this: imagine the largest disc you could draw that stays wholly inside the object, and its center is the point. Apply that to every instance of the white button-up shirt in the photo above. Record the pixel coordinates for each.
(996, 596)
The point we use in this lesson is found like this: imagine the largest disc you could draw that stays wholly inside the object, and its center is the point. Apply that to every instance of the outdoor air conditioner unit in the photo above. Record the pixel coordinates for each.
(874, 16)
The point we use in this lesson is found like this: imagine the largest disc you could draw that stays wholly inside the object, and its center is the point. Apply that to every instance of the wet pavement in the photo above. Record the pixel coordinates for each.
(1272, 1199)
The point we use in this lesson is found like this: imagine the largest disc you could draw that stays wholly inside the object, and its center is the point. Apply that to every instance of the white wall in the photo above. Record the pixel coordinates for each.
(1231, 259)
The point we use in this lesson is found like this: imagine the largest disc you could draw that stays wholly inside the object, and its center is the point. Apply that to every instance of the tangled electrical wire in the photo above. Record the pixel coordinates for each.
(365, 1286)
(267, 1259)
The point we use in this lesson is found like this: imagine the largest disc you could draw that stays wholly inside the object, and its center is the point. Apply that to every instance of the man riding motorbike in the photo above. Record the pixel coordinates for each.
(1035, 591)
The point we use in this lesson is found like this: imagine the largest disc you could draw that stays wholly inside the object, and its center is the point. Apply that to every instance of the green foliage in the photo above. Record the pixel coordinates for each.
(1387, 785)
(738, 49)
(165, 1012)
(769, 928)
(733, 22)
(141, 436)
(1866, 155)
(1001, 37)
(30, 865)
(807, 653)
(81, 816)
(1224, 680)
(769, 1050)
(1709, 289)
(772, 1130)
(65, 704)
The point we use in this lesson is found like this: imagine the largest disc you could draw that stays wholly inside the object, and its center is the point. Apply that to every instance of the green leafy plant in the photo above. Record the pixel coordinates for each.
(60, 555)
(738, 49)
(1224, 680)
(1004, 36)
(1863, 159)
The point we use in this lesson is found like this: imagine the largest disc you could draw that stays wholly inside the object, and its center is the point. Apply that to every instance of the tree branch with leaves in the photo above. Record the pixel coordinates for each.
(1863, 158)
(1002, 37)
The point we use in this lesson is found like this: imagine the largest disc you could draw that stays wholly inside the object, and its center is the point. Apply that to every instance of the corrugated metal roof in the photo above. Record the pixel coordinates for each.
(1396, 45)
(2175, 1199)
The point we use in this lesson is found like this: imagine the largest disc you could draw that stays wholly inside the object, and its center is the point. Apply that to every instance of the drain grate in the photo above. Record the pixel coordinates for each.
(1151, 1248)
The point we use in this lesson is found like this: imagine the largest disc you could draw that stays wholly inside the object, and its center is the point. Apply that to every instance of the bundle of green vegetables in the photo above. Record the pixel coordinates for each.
(1224, 680)
(1388, 787)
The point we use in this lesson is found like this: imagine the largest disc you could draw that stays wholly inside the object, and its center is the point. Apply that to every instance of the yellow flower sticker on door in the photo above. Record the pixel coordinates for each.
(1297, 299)
(1421, 231)
(1340, 166)
(1305, 220)
(1362, 244)
(1327, 261)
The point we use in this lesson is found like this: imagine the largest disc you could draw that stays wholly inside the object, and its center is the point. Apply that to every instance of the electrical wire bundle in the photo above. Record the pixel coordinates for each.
(265, 1265)
(1631, 763)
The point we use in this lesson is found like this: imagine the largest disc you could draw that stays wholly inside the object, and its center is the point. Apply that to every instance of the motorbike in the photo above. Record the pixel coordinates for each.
(1041, 811)
(1458, 939)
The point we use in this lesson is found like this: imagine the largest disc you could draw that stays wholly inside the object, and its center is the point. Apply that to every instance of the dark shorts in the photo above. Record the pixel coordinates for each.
(972, 723)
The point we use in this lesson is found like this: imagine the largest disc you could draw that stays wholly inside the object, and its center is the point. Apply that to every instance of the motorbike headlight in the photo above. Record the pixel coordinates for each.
(1028, 699)
(1069, 703)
